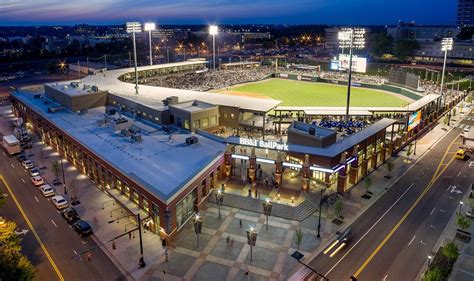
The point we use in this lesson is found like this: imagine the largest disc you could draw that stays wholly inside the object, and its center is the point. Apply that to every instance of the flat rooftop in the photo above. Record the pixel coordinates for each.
(303, 128)
(73, 88)
(193, 106)
(109, 81)
(163, 164)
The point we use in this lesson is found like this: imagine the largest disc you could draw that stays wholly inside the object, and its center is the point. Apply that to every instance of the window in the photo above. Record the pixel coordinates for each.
(213, 120)
(157, 119)
(185, 208)
(232, 115)
(135, 196)
(145, 204)
(197, 124)
(205, 122)
(225, 115)
(186, 124)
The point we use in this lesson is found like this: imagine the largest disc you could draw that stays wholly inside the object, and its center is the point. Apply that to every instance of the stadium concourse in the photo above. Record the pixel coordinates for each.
(237, 143)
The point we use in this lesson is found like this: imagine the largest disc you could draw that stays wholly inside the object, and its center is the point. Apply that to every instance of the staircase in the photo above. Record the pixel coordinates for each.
(297, 213)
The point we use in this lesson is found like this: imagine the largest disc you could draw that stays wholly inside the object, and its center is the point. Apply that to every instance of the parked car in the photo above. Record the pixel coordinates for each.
(59, 202)
(27, 164)
(47, 190)
(34, 172)
(21, 157)
(56, 182)
(470, 214)
(26, 145)
(25, 138)
(82, 227)
(37, 180)
(460, 154)
(70, 215)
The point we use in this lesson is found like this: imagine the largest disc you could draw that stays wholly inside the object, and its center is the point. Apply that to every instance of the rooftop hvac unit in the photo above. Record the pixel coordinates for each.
(137, 137)
(192, 140)
(125, 133)
(312, 131)
(110, 110)
(95, 89)
(55, 109)
(172, 100)
(83, 111)
(75, 84)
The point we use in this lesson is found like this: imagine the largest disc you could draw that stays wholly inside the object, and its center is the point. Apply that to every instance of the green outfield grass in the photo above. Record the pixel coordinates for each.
(296, 93)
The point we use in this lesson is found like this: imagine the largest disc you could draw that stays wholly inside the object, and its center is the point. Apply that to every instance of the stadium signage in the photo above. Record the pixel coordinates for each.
(264, 144)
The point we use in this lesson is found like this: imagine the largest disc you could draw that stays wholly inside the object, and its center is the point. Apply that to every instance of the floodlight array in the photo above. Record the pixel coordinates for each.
(213, 29)
(356, 35)
(447, 44)
(134, 27)
(149, 26)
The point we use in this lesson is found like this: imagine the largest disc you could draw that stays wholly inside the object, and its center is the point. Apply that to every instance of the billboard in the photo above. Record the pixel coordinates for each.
(334, 65)
(359, 64)
(414, 120)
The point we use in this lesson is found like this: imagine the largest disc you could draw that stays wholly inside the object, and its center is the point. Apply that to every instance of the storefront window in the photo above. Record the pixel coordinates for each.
(205, 122)
(186, 124)
(185, 208)
(135, 196)
(126, 190)
(145, 204)
(213, 120)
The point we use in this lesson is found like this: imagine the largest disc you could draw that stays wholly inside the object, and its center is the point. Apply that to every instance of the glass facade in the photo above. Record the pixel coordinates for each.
(185, 208)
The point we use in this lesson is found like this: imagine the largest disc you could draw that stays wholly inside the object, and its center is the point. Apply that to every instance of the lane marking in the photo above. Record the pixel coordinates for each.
(12, 165)
(432, 211)
(367, 232)
(54, 223)
(385, 278)
(435, 177)
(4, 153)
(432, 226)
(37, 199)
(23, 180)
(459, 173)
(33, 230)
(411, 241)
(422, 243)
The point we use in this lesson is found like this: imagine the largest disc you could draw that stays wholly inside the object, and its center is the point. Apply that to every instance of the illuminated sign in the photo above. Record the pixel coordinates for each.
(414, 120)
(264, 144)
(359, 64)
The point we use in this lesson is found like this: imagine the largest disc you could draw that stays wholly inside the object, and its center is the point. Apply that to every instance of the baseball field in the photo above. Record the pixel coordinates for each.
(299, 93)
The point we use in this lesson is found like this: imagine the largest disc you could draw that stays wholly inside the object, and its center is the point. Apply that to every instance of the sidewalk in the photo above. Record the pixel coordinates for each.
(379, 187)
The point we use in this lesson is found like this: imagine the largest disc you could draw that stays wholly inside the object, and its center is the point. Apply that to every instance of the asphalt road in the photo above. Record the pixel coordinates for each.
(58, 238)
(381, 246)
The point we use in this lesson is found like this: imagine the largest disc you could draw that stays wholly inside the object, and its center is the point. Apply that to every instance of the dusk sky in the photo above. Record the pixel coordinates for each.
(30, 12)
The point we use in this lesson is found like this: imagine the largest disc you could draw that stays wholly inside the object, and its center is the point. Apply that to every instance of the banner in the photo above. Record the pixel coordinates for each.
(414, 120)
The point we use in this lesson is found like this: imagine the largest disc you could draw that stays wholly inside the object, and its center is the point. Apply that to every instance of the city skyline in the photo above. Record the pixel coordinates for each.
(55, 12)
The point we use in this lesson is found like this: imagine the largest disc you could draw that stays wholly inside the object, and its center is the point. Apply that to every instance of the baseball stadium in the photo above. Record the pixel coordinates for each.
(164, 139)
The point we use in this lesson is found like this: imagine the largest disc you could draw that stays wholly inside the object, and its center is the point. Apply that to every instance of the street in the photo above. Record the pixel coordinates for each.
(56, 236)
(394, 237)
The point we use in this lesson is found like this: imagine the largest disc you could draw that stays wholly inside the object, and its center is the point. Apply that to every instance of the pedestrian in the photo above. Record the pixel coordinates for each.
(166, 254)
(256, 193)
(227, 241)
(240, 223)
(231, 242)
(130, 236)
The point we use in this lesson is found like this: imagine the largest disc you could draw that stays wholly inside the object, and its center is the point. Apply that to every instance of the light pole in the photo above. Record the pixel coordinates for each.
(197, 221)
(134, 27)
(446, 45)
(267, 209)
(320, 207)
(150, 26)
(460, 206)
(429, 260)
(352, 38)
(251, 240)
(62, 171)
(213, 30)
(141, 261)
(219, 200)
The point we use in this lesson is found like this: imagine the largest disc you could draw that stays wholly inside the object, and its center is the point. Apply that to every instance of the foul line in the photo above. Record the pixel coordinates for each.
(33, 230)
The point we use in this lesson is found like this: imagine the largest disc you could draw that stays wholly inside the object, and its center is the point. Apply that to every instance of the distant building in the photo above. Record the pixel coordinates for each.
(421, 33)
(462, 53)
(465, 13)
(54, 44)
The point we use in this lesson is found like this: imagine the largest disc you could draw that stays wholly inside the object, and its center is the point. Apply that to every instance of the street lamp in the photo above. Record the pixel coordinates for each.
(352, 38)
(446, 45)
(219, 199)
(150, 26)
(460, 206)
(213, 30)
(62, 172)
(141, 261)
(197, 222)
(267, 209)
(320, 207)
(251, 240)
(134, 27)
(429, 259)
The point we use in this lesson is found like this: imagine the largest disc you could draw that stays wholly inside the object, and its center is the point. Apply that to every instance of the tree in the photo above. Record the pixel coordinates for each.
(405, 48)
(3, 199)
(409, 150)
(298, 237)
(469, 99)
(380, 43)
(463, 222)
(461, 106)
(433, 274)
(367, 183)
(338, 206)
(13, 265)
(445, 120)
(451, 252)
(454, 112)
(390, 166)
(56, 169)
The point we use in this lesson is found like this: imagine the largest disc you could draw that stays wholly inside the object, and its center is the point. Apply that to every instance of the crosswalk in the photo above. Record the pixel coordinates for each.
(464, 126)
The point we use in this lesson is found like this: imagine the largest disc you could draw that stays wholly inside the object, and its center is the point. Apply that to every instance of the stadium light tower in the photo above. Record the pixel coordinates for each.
(134, 27)
(213, 30)
(446, 45)
(150, 26)
(352, 38)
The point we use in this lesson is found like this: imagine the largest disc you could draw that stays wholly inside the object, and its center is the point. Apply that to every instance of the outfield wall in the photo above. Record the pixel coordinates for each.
(384, 87)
